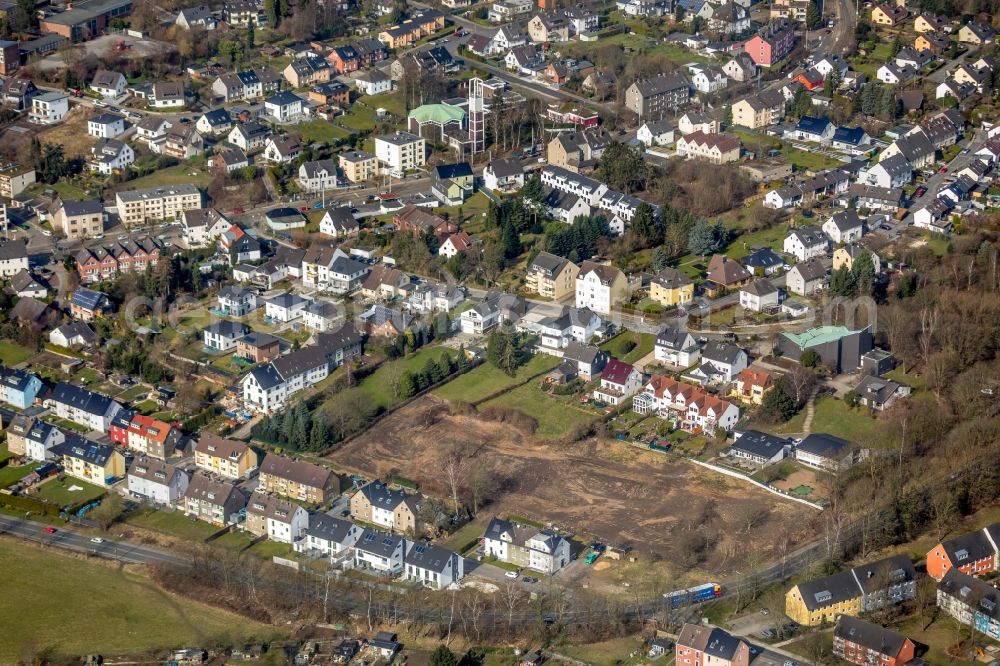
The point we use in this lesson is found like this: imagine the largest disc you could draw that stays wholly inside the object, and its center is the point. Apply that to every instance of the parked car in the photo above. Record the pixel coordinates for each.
(511, 574)
(49, 530)
(921, 191)
(97, 540)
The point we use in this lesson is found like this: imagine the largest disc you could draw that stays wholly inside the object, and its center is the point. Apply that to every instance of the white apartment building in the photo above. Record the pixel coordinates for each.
(400, 151)
(157, 203)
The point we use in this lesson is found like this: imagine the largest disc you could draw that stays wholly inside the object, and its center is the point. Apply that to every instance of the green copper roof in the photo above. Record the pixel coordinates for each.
(437, 113)
(819, 335)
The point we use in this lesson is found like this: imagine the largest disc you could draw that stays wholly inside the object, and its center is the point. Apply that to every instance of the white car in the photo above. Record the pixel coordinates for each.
(97, 540)
(46, 232)
(511, 574)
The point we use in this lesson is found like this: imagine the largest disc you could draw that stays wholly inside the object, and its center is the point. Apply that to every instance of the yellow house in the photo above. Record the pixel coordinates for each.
(932, 41)
(670, 288)
(551, 276)
(758, 111)
(886, 14)
(845, 256)
(927, 23)
(976, 33)
(824, 600)
(358, 165)
(225, 457)
(91, 462)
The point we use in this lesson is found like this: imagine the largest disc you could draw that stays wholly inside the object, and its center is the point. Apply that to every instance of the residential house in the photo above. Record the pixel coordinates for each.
(267, 388)
(94, 411)
(894, 74)
(763, 262)
(676, 347)
(928, 22)
(878, 394)
(503, 175)
(38, 440)
(108, 84)
(976, 33)
(214, 122)
(547, 28)
(692, 408)
(699, 645)
(656, 133)
(307, 71)
(19, 387)
(759, 110)
(48, 108)
(576, 150)
(328, 536)
(216, 502)
(24, 283)
(772, 44)
(933, 42)
(740, 68)
(844, 226)
(728, 18)
(249, 137)
(99, 464)
(298, 480)
(619, 381)
(851, 140)
(284, 307)
(541, 550)
(551, 276)
(973, 553)
(915, 147)
(400, 151)
(707, 78)
(258, 347)
(759, 295)
(458, 243)
(671, 288)
(696, 121)
(339, 222)
(358, 165)
(318, 175)
(726, 273)
(73, 334)
(106, 126)
(971, 601)
(651, 98)
(716, 148)
(806, 277)
(934, 215)
(222, 335)
(373, 82)
(760, 448)
(588, 360)
(600, 287)
(379, 552)
(432, 566)
(277, 519)
(203, 226)
(281, 150)
(13, 258)
(144, 434)
(806, 243)
(341, 344)
(396, 510)
(825, 452)
(750, 385)
(196, 17)
(227, 458)
(889, 15)
(889, 172)
(720, 362)
(865, 588)
(864, 643)
(151, 128)
(110, 155)
(167, 95)
(284, 106)
(844, 257)
(155, 481)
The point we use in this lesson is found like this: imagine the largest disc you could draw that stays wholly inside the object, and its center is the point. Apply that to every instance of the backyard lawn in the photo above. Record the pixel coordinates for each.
(834, 417)
(393, 103)
(59, 598)
(10, 474)
(66, 490)
(132, 393)
(321, 130)
(554, 417)
(487, 380)
(808, 160)
(743, 244)
(613, 652)
(174, 523)
(616, 346)
(380, 387)
(182, 174)
(237, 540)
(12, 353)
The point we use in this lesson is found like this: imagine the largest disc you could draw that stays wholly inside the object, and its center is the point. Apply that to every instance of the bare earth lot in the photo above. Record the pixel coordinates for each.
(606, 490)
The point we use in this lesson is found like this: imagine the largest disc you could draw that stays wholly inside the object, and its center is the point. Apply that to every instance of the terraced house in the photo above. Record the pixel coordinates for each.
(862, 589)
(296, 479)
(99, 464)
(157, 482)
(972, 553)
(18, 387)
(94, 411)
(971, 601)
(225, 457)
(268, 388)
(104, 262)
(377, 503)
(539, 549)
(275, 518)
(216, 502)
(144, 434)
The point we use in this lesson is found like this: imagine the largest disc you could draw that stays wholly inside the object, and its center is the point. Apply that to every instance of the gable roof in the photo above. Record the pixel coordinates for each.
(617, 372)
(871, 636)
(824, 446)
(303, 473)
(762, 444)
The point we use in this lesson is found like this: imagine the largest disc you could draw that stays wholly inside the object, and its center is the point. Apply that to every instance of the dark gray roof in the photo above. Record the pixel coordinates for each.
(762, 444)
(810, 270)
(428, 556)
(969, 547)
(975, 593)
(809, 236)
(672, 337)
(763, 258)
(825, 446)
(829, 590)
(77, 447)
(328, 528)
(845, 220)
(345, 336)
(297, 362)
(82, 399)
(13, 249)
(871, 636)
(875, 576)
(381, 496)
(377, 542)
(724, 352)
(226, 328)
(581, 353)
(761, 287)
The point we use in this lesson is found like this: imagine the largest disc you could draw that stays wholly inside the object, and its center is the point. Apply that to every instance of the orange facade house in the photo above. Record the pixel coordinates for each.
(973, 553)
(864, 643)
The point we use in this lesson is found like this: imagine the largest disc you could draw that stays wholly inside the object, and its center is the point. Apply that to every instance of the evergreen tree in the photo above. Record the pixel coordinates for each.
(510, 241)
(801, 104)
(707, 238)
(533, 190)
(863, 271)
(622, 167)
(842, 282)
(645, 225)
(833, 81)
(813, 18)
(442, 656)
(660, 259)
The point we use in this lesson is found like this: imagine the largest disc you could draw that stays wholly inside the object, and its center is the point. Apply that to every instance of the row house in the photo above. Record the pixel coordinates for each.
(213, 501)
(227, 458)
(561, 179)
(308, 71)
(692, 406)
(971, 601)
(700, 645)
(715, 148)
(420, 25)
(395, 510)
(328, 536)
(864, 588)
(357, 56)
(245, 85)
(299, 480)
(144, 434)
(93, 411)
(274, 518)
(155, 481)
(972, 553)
(104, 262)
(539, 549)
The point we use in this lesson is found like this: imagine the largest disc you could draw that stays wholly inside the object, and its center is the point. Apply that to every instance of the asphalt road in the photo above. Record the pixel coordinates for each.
(936, 182)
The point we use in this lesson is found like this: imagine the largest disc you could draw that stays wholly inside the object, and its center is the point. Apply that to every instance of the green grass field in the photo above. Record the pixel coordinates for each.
(487, 380)
(73, 607)
(321, 130)
(379, 387)
(743, 244)
(616, 346)
(808, 160)
(555, 417)
(58, 491)
(12, 353)
(834, 417)
(393, 103)
(132, 393)
(175, 523)
(176, 175)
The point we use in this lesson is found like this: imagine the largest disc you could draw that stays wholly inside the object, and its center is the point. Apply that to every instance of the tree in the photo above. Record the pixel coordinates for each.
(272, 10)
(533, 190)
(864, 272)
(801, 104)
(778, 404)
(833, 81)
(809, 359)
(842, 283)
(622, 167)
(813, 18)
(109, 511)
(894, 46)
(442, 656)
(707, 238)
(503, 351)
(645, 226)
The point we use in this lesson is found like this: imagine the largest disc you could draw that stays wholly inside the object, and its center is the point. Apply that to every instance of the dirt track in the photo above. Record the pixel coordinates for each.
(608, 490)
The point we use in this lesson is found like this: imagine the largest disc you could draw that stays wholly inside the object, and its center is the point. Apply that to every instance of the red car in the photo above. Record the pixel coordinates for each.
(237, 211)
(304, 209)
(49, 530)
(943, 169)
(921, 191)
